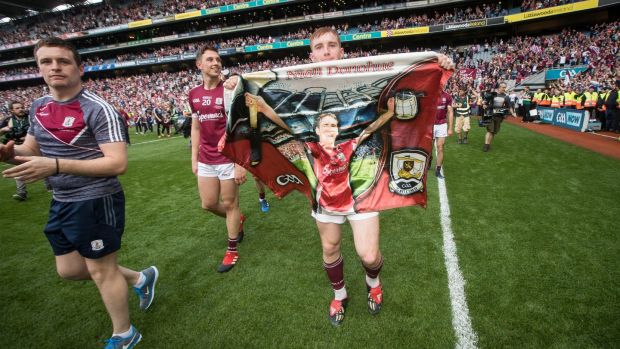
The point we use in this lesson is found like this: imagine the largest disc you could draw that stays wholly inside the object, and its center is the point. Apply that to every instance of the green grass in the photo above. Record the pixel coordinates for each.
(536, 224)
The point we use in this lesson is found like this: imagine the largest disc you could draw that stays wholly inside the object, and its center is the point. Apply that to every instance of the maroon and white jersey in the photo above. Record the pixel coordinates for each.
(334, 192)
(444, 101)
(74, 129)
(208, 109)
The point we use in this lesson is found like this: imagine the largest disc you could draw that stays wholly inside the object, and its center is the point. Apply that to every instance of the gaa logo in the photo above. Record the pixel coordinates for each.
(288, 178)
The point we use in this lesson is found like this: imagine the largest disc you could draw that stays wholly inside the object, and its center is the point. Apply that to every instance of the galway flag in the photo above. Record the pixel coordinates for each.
(353, 174)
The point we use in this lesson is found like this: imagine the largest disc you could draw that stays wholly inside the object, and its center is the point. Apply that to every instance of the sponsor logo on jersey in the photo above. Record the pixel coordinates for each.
(210, 116)
(196, 100)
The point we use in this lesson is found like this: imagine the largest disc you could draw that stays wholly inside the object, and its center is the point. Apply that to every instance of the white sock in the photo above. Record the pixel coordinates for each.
(124, 334)
(372, 282)
(340, 294)
(141, 280)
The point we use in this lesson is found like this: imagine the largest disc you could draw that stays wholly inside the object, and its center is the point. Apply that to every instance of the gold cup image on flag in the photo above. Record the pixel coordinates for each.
(406, 104)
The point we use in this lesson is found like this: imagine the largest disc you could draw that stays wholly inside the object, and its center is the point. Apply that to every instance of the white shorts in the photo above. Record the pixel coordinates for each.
(340, 219)
(440, 131)
(222, 172)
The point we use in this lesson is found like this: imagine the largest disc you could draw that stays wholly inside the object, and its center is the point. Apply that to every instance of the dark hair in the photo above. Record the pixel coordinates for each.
(12, 103)
(204, 49)
(58, 42)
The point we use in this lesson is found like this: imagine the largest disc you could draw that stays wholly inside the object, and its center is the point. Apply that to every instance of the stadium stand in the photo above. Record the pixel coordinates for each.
(165, 57)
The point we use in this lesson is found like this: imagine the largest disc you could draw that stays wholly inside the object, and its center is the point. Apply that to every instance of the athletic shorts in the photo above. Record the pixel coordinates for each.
(462, 124)
(495, 124)
(440, 131)
(222, 171)
(340, 219)
(91, 227)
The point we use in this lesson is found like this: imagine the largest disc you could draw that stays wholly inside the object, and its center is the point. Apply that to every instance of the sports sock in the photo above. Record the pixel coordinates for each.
(372, 273)
(232, 245)
(335, 274)
(124, 334)
(141, 280)
(340, 294)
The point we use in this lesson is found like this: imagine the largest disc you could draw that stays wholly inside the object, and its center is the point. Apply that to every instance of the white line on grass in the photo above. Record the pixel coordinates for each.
(461, 322)
(155, 140)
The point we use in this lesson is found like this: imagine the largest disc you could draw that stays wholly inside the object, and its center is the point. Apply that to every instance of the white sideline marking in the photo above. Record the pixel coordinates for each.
(602, 135)
(461, 322)
(156, 140)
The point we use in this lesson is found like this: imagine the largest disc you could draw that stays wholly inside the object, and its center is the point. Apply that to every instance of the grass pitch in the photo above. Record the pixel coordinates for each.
(536, 225)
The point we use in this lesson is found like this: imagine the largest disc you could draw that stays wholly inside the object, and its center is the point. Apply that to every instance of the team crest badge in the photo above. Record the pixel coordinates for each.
(407, 169)
(68, 122)
(218, 101)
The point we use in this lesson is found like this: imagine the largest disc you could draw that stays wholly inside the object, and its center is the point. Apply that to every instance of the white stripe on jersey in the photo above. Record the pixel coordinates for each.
(111, 115)
(113, 122)
(78, 135)
(115, 115)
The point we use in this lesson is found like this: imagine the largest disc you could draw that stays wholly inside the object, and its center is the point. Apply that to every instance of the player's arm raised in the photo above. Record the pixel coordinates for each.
(381, 120)
(266, 110)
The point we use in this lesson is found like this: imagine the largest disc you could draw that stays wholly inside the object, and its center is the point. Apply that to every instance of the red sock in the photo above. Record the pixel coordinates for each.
(232, 245)
(373, 271)
(335, 273)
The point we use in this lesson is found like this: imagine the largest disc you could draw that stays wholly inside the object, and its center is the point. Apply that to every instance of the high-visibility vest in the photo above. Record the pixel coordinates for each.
(537, 97)
(569, 99)
(591, 99)
(602, 97)
(580, 99)
(463, 109)
(557, 101)
(545, 100)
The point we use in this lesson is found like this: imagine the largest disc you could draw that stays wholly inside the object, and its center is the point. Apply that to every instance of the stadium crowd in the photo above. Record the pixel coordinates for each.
(84, 17)
(512, 59)
(479, 67)
(79, 18)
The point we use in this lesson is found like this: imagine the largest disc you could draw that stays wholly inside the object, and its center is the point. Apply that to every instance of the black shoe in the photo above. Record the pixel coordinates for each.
(486, 147)
(19, 197)
(438, 173)
(375, 299)
(229, 261)
(336, 311)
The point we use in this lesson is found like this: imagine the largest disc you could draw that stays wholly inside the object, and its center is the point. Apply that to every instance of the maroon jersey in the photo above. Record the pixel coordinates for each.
(74, 129)
(208, 109)
(444, 101)
(332, 170)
